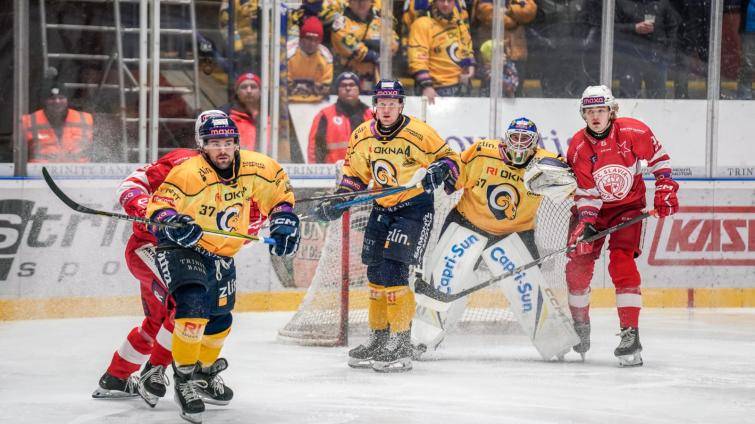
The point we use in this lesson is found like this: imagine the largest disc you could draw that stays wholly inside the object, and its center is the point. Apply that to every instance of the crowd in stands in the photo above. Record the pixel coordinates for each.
(443, 48)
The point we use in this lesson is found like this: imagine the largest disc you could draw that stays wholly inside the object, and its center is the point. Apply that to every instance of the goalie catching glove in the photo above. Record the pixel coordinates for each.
(551, 178)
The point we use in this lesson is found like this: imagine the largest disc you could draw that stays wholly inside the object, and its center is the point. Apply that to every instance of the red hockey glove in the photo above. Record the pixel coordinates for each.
(134, 202)
(584, 230)
(665, 202)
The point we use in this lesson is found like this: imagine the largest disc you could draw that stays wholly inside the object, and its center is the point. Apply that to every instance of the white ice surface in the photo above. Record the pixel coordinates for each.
(698, 369)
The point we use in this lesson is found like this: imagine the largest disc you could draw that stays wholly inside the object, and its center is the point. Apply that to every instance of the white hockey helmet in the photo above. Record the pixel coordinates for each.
(211, 113)
(597, 96)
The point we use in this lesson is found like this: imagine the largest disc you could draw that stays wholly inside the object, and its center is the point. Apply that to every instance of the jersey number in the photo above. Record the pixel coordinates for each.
(206, 210)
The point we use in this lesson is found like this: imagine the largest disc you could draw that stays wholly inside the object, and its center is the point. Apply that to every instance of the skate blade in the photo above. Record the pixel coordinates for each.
(582, 355)
(402, 365)
(192, 418)
(633, 360)
(148, 397)
(101, 393)
(360, 363)
(212, 401)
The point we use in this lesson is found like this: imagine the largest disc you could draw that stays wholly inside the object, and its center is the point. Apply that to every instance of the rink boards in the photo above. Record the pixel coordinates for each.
(55, 262)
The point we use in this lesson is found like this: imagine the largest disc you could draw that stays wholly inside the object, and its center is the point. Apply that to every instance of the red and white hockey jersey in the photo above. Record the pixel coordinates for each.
(135, 191)
(608, 171)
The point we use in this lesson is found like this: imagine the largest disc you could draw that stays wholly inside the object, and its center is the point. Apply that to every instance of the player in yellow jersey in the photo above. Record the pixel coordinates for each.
(494, 204)
(213, 190)
(389, 150)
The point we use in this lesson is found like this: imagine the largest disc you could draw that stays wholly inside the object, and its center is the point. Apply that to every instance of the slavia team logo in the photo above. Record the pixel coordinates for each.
(613, 182)
(384, 173)
(228, 219)
(503, 201)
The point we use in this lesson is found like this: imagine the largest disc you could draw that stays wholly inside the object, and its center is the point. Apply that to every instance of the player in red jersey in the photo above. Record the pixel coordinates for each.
(605, 157)
(150, 342)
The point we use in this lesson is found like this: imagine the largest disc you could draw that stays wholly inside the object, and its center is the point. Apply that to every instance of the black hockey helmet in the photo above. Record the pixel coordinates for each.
(388, 89)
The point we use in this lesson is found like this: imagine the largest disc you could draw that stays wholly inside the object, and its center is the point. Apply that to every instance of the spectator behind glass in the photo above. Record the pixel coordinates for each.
(440, 54)
(747, 28)
(246, 19)
(57, 133)
(332, 126)
(518, 14)
(356, 41)
(245, 109)
(510, 75)
(645, 33)
(564, 46)
(310, 64)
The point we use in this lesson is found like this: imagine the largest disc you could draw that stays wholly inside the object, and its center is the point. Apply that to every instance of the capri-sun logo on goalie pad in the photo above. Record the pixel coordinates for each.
(503, 201)
(613, 182)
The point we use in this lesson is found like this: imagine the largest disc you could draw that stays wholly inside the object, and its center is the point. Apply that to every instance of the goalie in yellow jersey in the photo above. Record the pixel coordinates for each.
(499, 199)
(389, 150)
(215, 190)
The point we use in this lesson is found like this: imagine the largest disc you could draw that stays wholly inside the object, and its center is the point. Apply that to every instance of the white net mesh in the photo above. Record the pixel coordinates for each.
(319, 321)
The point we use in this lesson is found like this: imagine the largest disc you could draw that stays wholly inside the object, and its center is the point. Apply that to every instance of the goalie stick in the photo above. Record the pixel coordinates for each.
(83, 209)
(423, 287)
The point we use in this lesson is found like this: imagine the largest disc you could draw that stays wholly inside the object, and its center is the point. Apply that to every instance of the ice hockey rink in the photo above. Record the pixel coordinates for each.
(698, 369)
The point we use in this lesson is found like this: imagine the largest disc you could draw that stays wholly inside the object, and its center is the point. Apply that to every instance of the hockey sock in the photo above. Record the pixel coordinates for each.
(579, 304)
(163, 344)
(211, 346)
(628, 304)
(187, 340)
(400, 308)
(131, 354)
(378, 309)
(626, 279)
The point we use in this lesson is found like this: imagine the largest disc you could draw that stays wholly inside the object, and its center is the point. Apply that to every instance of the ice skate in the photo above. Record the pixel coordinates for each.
(361, 356)
(583, 331)
(210, 385)
(152, 384)
(629, 348)
(418, 350)
(396, 355)
(186, 395)
(111, 387)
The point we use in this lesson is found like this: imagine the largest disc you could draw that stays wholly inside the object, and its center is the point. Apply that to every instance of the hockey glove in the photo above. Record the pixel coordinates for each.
(185, 236)
(284, 229)
(437, 173)
(583, 231)
(665, 202)
(327, 211)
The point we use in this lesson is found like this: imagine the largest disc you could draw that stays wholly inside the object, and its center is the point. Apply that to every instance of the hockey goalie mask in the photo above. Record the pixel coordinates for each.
(598, 96)
(520, 141)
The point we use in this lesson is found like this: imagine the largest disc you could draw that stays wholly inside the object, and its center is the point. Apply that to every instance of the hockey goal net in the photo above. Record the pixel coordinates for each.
(335, 305)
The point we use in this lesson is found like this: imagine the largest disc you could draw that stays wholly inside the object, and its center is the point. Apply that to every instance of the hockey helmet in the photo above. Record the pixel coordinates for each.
(388, 89)
(520, 141)
(215, 127)
(597, 96)
(202, 118)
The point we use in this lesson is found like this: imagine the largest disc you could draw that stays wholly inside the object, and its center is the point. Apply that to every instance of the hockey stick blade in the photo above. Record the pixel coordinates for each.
(113, 215)
(424, 288)
(414, 182)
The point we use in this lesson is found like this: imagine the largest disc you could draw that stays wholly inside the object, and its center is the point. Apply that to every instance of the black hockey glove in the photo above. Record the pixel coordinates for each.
(284, 229)
(437, 173)
(326, 211)
(185, 236)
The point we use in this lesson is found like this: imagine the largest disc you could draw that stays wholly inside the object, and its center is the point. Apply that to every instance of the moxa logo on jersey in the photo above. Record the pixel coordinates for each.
(705, 236)
(456, 251)
(503, 201)
(523, 287)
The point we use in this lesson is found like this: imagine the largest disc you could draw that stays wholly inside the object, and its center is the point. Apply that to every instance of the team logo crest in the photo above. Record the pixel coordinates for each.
(384, 173)
(503, 201)
(613, 182)
(228, 220)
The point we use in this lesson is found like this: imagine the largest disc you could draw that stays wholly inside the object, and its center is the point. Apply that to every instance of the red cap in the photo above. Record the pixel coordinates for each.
(311, 27)
(247, 76)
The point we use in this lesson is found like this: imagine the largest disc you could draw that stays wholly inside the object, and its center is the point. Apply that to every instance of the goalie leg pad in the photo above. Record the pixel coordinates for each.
(535, 306)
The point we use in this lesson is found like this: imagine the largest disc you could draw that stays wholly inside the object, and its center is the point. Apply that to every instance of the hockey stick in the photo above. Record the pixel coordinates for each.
(423, 287)
(83, 209)
(415, 182)
(418, 176)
